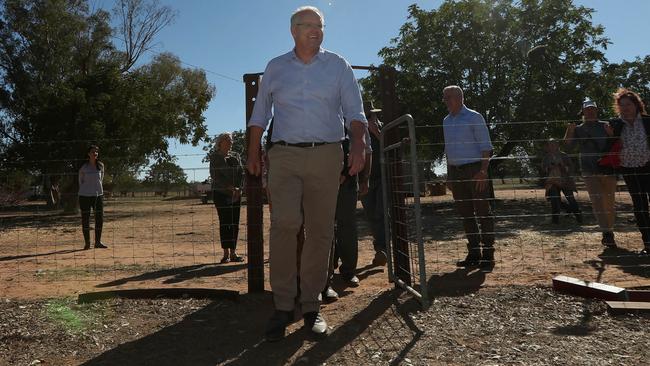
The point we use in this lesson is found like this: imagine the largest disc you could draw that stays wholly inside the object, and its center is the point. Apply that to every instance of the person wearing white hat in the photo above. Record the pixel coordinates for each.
(592, 139)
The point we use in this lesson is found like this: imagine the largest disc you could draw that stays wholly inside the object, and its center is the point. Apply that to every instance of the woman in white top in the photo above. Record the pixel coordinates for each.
(91, 193)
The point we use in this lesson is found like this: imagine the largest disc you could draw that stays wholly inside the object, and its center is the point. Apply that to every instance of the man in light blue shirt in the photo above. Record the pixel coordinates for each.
(468, 149)
(309, 92)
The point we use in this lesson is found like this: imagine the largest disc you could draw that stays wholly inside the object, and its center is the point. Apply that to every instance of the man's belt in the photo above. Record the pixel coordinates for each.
(300, 144)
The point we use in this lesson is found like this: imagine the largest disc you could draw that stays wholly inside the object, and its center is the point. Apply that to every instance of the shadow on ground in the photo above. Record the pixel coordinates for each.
(24, 256)
(179, 274)
(626, 260)
(441, 222)
(231, 333)
(461, 282)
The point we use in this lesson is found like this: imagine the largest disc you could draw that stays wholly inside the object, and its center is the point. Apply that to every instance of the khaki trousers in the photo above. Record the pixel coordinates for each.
(602, 193)
(304, 184)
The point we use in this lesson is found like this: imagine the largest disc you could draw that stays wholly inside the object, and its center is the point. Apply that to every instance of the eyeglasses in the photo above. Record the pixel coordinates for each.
(311, 25)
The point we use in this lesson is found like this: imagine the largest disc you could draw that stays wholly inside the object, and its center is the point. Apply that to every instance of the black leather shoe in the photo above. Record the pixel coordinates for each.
(100, 245)
(277, 325)
(578, 216)
(380, 259)
(315, 322)
(487, 259)
(608, 239)
(472, 260)
(352, 281)
(329, 295)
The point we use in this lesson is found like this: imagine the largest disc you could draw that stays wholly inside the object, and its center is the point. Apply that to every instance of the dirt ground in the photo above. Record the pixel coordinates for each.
(156, 243)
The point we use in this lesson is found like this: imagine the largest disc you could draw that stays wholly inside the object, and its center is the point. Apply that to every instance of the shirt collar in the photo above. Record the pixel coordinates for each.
(463, 110)
(320, 55)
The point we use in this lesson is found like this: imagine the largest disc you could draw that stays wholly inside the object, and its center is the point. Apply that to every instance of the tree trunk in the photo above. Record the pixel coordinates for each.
(69, 194)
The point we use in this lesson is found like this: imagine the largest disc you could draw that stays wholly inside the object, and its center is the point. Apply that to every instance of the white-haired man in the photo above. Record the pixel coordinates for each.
(468, 149)
(311, 94)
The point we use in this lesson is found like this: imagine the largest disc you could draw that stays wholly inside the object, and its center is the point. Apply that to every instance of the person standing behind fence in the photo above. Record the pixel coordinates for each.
(346, 239)
(468, 148)
(91, 195)
(311, 94)
(633, 129)
(557, 168)
(592, 139)
(227, 172)
(373, 202)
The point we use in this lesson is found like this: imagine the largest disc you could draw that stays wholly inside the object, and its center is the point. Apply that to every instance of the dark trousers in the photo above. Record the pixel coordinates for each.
(472, 205)
(346, 240)
(556, 201)
(228, 213)
(96, 203)
(638, 185)
(373, 206)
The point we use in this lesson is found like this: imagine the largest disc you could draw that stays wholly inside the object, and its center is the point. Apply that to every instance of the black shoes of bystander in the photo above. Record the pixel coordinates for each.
(277, 325)
(608, 239)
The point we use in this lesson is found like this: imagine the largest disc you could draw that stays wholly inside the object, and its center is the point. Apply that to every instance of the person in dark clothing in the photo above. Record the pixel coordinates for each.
(373, 203)
(633, 129)
(226, 172)
(557, 168)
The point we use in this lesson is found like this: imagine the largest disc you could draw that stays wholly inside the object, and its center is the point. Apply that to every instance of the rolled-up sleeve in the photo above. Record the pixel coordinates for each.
(481, 133)
(351, 103)
(263, 102)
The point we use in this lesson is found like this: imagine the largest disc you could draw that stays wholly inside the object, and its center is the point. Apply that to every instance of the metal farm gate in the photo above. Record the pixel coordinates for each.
(402, 210)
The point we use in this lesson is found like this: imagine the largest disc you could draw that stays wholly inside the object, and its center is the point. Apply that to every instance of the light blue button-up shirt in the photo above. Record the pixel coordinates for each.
(309, 102)
(466, 137)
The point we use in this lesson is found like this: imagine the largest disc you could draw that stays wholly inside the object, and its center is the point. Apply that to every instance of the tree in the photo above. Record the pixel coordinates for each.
(531, 60)
(165, 175)
(63, 84)
(140, 21)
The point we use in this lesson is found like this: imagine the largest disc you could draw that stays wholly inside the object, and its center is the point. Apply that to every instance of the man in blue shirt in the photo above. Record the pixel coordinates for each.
(311, 94)
(468, 149)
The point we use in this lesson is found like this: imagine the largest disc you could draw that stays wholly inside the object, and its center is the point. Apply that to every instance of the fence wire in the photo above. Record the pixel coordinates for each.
(169, 236)
(156, 236)
(534, 241)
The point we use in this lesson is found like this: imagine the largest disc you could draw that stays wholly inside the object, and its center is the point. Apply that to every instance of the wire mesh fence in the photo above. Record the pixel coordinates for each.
(543, 227)
(156, 236)
(170, 236)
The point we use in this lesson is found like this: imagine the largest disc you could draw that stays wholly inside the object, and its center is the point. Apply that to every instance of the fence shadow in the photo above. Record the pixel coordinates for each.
(23, 256)
(215, 334)
(179, 274)
(461, 282)
(231, 333)
(625, 260)
(441, 222)
(46, 219)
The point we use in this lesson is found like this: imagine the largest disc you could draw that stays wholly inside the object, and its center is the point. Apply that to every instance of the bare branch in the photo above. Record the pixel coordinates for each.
(141, 20)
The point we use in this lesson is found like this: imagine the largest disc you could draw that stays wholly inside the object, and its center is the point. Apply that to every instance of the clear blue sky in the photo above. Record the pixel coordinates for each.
(234, 37)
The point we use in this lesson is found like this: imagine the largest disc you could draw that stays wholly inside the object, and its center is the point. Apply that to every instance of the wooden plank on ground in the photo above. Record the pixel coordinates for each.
(626, 307)
(594, 290)
(638, 295)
